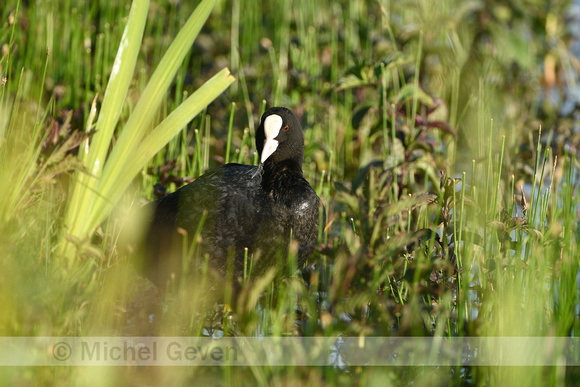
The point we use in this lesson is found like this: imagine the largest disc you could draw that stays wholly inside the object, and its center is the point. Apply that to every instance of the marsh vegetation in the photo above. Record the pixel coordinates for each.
(439, 136)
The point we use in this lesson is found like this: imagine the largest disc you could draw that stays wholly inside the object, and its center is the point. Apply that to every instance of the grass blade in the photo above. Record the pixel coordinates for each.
(157, 139)
(83, 194)
(94, 196)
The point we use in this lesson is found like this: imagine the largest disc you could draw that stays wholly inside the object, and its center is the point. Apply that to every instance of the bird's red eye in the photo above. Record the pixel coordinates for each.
(286, 128)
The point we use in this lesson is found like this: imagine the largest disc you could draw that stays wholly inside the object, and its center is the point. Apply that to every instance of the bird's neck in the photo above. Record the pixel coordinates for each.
(279, 168)
(278, 175)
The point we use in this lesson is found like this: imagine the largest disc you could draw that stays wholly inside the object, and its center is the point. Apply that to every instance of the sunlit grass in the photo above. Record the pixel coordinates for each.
(510, 224)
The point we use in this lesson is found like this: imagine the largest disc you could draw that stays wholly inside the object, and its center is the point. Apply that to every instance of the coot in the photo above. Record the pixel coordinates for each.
(240, 210)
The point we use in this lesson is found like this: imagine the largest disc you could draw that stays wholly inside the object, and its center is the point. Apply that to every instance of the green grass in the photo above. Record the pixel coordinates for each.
(396, 100)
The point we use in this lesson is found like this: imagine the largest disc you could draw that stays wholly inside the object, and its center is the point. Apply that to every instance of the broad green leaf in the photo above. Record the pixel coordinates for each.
(350, 81)
(154, 93)
(156, 140)
(408, 92)
(83, 194)
(95, 194)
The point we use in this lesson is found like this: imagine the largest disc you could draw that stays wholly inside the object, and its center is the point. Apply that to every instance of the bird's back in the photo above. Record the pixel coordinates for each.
(239, 208)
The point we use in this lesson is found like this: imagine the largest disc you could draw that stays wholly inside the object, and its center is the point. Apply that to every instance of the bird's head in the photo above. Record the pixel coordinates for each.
(279, 137)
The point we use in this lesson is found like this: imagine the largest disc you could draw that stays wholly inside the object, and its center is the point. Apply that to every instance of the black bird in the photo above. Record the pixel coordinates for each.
(258, 208)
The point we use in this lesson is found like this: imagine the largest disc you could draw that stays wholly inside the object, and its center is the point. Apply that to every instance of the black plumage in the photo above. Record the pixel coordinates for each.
(241, 206)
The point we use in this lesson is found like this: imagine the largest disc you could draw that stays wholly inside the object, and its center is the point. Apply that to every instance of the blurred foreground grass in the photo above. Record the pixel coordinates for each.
(398, 102)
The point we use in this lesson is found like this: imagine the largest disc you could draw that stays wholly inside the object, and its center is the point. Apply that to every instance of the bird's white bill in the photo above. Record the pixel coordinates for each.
(269, 147)
(272, 126)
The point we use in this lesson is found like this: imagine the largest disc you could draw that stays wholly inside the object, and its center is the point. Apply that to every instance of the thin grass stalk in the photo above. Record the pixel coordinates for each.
(512, 196)
(416, 82)
(230, 130)
(456, 240)
(498, 183)
(11, 44)
(550, 187)
(235, 42)
(536, 166)
(461, 284)
(393, 148)
(384, 109)
(198, 161)
(486, 190)
(536, 202)
(206, 142)
(18, 156)
(246, 96)
(40, 93)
